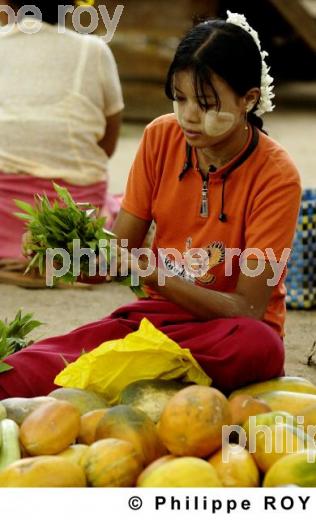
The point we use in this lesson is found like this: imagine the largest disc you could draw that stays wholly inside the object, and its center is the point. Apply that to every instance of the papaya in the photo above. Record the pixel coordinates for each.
(50, 429)
(130, 424)
(84, 400)
(45, 471)
(307, 417)
(150, 396)
(75, 453)
(277, 441)
(18, 408)
(267, 419)
(297, 469)
(291, 402)
(147, 471)
(285, 384)
(182, 472)
(191, 422)
(235, 467)
(243, 406)
(112, 463)
(88, 425)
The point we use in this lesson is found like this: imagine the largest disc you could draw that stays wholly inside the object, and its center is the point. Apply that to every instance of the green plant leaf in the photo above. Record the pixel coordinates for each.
(23, 216)
(25, 206)
(13, 334)
(139, 292)
(4, 367)
(64, 195)
(32, 263)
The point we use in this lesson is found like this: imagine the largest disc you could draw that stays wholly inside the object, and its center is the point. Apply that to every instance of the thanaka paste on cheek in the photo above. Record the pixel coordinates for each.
(176, 111)
(213, 123)
(217, 123)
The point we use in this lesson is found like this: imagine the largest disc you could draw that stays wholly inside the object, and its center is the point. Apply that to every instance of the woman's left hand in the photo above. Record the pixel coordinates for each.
(123, 263)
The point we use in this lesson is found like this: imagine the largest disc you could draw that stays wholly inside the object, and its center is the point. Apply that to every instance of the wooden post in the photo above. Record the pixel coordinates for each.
(298, 17)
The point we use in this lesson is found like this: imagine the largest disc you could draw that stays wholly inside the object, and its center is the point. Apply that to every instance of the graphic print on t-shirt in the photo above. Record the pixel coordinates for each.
(215, 253)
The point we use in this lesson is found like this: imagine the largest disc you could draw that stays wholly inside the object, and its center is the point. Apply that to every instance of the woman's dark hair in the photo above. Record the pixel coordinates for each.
(48, 8)
(222, 48)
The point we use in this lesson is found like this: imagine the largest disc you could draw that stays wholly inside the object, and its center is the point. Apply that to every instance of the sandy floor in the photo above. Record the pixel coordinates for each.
(63, 310)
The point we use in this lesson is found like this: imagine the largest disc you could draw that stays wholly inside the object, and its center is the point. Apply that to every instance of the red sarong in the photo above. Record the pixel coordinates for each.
(232, 351)
(24, 187)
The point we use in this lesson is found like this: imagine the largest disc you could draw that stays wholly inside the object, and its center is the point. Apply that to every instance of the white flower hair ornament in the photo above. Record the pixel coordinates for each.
(265, 104)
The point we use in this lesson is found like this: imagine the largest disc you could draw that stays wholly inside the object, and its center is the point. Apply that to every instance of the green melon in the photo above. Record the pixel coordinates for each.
(150, 396)
(18, 408)
(3, 412)
(84, 400)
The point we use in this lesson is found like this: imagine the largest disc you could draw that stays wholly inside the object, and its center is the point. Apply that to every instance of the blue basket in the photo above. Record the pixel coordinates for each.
(301, 277)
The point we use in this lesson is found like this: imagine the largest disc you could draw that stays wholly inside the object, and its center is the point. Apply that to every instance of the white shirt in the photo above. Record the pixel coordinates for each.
(56, 91)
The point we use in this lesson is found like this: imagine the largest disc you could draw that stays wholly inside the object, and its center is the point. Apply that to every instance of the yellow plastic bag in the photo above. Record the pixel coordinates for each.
(144, 354)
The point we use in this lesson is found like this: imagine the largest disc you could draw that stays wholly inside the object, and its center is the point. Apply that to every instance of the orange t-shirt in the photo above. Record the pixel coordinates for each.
(261, 201)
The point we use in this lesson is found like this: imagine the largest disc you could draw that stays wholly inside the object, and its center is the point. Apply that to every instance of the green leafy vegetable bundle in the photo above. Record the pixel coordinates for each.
(13, 336)
(57, 226)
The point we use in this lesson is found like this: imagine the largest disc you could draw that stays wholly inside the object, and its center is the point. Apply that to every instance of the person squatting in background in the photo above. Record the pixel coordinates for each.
(60, 116)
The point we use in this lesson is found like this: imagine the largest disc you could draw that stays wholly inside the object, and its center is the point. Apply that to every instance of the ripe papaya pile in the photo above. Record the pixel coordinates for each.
(162, 434)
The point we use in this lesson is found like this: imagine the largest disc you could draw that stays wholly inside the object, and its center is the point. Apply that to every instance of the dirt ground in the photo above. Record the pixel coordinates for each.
(294, 126)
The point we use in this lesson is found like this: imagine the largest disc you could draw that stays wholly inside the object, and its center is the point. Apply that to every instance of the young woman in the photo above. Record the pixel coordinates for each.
(213, 181)
(61, 104)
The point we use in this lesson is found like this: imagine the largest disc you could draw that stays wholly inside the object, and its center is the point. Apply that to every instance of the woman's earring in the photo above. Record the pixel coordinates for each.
(246, 120)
